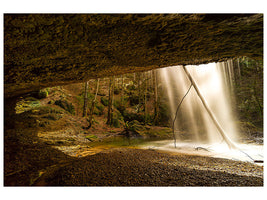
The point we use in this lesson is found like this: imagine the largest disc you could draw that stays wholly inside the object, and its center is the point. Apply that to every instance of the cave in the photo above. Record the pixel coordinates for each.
(53, 50)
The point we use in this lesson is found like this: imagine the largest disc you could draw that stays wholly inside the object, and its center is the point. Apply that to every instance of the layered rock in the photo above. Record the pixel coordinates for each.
(44, 50)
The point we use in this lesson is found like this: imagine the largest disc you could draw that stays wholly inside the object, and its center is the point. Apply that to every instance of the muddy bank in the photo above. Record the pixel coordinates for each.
(135, 167)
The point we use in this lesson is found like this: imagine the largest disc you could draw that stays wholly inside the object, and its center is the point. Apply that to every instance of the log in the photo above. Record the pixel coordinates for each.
(230, 144)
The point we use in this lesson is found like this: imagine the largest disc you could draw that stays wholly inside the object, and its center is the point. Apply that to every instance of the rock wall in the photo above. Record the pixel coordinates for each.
(44, 50)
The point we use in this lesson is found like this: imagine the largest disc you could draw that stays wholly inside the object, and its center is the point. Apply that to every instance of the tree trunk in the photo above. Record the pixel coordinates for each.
(145, 100)
(139, 90)
(110, 100)
(239, 71)
(93, 104)
(255, 90)
(156, 106)
(85, 99)
(122, 89)
(216, 123)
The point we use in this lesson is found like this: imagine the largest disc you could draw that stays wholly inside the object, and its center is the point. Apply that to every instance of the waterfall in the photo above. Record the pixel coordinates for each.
(215, 82)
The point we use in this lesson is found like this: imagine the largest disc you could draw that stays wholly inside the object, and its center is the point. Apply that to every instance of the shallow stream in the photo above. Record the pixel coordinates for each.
(247, 152)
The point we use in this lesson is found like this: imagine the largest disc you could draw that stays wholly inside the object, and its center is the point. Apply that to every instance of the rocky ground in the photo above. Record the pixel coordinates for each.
(135, 167)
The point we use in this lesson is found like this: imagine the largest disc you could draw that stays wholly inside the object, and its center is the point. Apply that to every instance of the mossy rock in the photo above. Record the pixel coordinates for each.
(43, 94)
(135, 126)
(53, 116)
(156, 132)
(26, 105)
(91, 137)
(66, 106)
(46, 110)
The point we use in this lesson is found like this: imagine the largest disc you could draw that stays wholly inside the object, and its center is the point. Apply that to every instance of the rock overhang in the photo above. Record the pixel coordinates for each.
(44, 50)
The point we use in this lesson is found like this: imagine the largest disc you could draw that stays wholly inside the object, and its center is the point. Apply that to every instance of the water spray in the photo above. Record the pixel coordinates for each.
(228, 141)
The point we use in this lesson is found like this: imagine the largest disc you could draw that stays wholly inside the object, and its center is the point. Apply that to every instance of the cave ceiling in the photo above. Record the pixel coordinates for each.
(44, 50)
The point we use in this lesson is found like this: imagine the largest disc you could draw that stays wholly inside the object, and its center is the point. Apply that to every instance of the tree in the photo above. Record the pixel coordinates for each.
(122, 89)
(156, 104)
(110, 100)
(145, 97)
(139, 90)
(85, 99)
(90, 119)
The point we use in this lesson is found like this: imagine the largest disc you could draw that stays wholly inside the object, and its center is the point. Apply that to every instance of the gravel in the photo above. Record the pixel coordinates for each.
(139, 167)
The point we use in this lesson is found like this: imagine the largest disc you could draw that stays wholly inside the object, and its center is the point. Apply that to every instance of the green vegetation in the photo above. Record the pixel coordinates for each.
(249, 92)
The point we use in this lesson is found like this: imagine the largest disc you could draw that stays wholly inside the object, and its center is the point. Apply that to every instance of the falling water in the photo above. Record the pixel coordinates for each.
(215, 83)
